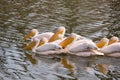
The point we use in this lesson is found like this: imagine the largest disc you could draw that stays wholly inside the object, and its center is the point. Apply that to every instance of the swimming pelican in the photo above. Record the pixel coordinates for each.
(112, 49)
(84, 48)
(58, 35)
(53, 47)
(35, 34)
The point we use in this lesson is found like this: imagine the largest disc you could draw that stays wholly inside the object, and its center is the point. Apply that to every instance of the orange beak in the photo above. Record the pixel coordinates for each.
(67, 41)
(28, 36)
(103, 42)
(113, 40)
(32, 44)
(31, 34)
(59, 34)
(43, 41)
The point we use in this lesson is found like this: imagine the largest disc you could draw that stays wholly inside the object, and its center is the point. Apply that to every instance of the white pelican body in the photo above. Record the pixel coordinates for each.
(48, 48)
(112, 49)
(83, 47)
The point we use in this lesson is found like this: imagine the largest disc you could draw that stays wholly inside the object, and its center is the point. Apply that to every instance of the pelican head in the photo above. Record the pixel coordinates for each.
(71, 38)
(58, 34)
(33, 43)
(103, 42)
(113, 40)
(32, 33)
(57, 47)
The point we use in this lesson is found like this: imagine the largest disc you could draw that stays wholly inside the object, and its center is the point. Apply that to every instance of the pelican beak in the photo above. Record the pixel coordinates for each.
(113, 40)
(30, 46)
(31, 34)
(43, 41)
(28, 36)
(96, 52)
(59, 34)
(67, 41)
(103, 42)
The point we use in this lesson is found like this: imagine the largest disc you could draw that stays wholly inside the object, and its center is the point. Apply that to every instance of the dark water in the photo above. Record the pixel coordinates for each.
(90, 18)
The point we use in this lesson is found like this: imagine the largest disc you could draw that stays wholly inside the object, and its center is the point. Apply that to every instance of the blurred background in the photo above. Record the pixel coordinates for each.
(90, 18)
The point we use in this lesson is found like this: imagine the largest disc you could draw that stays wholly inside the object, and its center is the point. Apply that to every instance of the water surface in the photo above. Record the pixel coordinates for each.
(90, 18)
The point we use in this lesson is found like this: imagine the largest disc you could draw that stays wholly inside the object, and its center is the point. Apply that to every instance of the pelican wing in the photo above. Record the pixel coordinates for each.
(48, 47)
(81, 46)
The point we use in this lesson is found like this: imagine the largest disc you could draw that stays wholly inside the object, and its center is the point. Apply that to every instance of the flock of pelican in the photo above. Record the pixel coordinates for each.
(56, 43)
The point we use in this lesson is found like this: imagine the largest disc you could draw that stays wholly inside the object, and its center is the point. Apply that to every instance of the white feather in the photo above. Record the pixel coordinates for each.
(47, 47)
(40, 36)
(115, 47)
